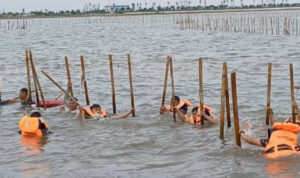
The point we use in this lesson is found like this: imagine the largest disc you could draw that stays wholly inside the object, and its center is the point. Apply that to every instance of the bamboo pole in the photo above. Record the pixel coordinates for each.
(268, 92)
(227, 96)
(38, 86)
(201, 87)
(64, 91)
(84, 81)
(292, 92)
(34, 79)
(28, 75)
(112, 84)
(131, 85)
(70, 88)
(165, 82)
(235, 109)
(222, 109)
(173, 88)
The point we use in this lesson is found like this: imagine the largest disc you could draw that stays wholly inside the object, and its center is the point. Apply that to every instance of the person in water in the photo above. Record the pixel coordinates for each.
(33, 125)
(196, 117)
(282, 138)
(96, 112)
(71, 107)
(181, 105)
(23, 98)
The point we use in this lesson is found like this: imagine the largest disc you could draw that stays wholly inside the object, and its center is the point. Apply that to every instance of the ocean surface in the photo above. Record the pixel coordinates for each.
(150, 144)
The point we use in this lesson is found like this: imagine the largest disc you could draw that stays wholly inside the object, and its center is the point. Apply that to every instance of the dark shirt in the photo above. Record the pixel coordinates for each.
(183, 109)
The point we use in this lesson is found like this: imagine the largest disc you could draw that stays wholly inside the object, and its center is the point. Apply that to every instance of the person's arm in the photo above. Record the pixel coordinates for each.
(80, 116)
(12, 101)
(212, 118)
(162, 110)
(124, 115)
(250, 140)
(181, 115)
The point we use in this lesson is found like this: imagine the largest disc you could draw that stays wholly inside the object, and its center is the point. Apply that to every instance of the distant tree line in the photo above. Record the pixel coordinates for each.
(137, 7)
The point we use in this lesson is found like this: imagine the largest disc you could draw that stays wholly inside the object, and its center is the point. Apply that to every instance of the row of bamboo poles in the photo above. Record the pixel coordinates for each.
(225, 100)
(69, 92)
(273, 25)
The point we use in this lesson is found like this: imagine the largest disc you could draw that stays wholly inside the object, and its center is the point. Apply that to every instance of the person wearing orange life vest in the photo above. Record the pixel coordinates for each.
(282, 141)
(197, 116)
(181, 105)
(33, 125)
(96, 112)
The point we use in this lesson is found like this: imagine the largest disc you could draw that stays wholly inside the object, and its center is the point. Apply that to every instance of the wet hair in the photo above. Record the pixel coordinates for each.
(94, 106)
(24, 90)
(74, 99)
(195, 109)
(176, 98)
(206, 110)
(36, 114)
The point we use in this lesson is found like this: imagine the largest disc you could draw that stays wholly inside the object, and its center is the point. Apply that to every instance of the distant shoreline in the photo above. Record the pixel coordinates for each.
(154, 13)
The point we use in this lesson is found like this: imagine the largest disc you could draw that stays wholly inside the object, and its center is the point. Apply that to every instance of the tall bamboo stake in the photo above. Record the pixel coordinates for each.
(201, 87)
(227, 96)
(292, 92)
(34, 79)
(222, 110)
(70, 88)
(84, 81)
(112, 84)
(28, 76)
(268, 92)
(38, 88)
(130, 83)
(173, 88)
(235, 110)
(165, 82)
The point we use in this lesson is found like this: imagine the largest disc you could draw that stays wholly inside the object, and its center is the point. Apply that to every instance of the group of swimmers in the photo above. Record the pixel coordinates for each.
(282, 137)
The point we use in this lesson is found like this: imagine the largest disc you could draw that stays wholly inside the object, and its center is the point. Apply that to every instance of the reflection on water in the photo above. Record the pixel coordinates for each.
(33, 145)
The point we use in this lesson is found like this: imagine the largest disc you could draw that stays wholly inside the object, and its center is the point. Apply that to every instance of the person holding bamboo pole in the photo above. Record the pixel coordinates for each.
(197, 116)
(282, 138)
(96, 112)
(23, 98)
(181, 105)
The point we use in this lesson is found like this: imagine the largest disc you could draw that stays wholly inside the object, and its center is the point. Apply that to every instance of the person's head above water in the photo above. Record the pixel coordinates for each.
(23, 93)
(195, 111)
(73, 105)
(177, 100)
(36, 114)
(96, 108)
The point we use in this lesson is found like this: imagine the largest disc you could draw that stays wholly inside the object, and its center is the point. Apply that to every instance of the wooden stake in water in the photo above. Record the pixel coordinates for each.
(222, 109)
(173, 88)
(201, 88)
(70, 87)
(130, 83)
(235, 110)
(38, 86)
(112, 84)
(34, 79)
(292, 92)
(28, 76)
(268, 93)
(84, 81)
(165, 82)
(227, 96)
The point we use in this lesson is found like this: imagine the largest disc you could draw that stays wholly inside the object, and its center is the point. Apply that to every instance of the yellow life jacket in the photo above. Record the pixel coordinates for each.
(29, 126)
(283, 142)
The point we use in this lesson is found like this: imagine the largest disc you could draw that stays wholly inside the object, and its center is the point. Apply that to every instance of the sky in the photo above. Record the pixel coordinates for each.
(56, 5)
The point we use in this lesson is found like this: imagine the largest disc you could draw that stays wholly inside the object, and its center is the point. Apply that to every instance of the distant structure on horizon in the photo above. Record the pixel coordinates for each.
(117, 8)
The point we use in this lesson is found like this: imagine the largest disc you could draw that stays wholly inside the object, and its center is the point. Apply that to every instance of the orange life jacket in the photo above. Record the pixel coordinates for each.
(181, 103)
(198, 119)
(30, 126)
(283, 142)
